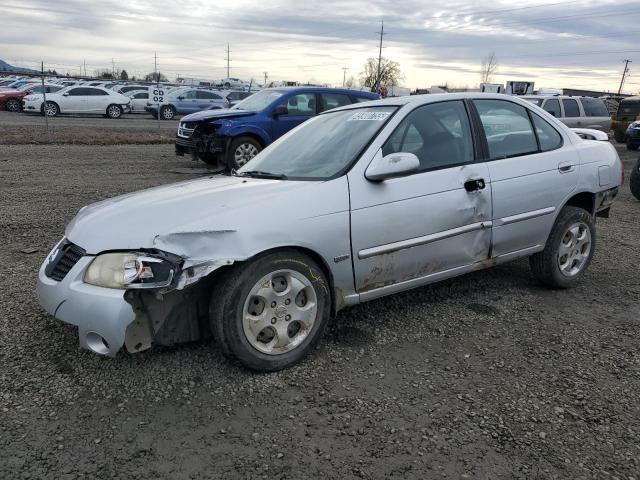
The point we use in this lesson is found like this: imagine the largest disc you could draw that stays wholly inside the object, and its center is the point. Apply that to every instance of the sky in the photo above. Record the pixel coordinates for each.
(556, 43)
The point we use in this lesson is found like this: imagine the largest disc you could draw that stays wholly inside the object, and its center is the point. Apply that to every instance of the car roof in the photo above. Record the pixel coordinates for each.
(433, 98)
(320, 90)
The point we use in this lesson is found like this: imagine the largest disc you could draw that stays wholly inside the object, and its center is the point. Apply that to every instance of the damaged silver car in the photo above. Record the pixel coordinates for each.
(357, 203)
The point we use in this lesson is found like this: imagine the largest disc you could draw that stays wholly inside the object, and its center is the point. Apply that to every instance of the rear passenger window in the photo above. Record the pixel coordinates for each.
(594, 107)
(438, 134)
(548, 136)
(553, 107)
(507, 127)
(332, 100)
(570, 107)
(208, 95)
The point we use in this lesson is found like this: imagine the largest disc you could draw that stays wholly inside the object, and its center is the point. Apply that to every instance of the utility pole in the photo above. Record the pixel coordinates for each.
(155, 70)
(625, 73)
(113, 68)
(84, 61)
(344, 75)
(228, 59)
(266, 75)
(377, 84)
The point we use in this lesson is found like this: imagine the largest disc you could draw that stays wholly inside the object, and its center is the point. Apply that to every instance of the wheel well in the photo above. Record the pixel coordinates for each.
(253, 136)
(584, 200)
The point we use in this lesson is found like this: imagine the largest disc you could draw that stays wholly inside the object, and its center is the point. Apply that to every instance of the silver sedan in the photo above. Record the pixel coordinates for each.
(358, 203)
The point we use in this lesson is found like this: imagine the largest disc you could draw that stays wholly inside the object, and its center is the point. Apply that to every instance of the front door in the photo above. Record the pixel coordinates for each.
(433, 221)
(75, 100)
(300, 107)
(531, 171)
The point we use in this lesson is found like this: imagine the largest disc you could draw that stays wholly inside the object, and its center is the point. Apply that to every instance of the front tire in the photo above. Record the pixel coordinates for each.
(631, 146)
(208, 158)
(568, 251)
(50, 109)
(114, 111)
(634, 180)
(241, 150)
(13, 105)
(619, 136)
(167, 112)
(270, 312)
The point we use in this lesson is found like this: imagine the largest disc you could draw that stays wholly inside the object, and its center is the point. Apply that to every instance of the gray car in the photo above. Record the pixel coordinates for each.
(576, 112)
(355, 204)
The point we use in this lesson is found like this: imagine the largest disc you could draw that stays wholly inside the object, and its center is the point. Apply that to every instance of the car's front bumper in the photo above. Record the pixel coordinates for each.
(184, 146)
(102, 315)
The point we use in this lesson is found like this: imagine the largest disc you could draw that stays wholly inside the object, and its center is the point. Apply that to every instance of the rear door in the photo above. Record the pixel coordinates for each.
(206, 99)
(98, 100)
(572, 116)
(532, 172)
(596, 114)
(300, 107)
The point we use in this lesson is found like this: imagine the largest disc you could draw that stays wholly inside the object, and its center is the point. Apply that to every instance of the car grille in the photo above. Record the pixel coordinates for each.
(185, 129)
(64, 260)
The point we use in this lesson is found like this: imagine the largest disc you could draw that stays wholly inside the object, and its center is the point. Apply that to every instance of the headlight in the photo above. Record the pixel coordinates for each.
(130, 270)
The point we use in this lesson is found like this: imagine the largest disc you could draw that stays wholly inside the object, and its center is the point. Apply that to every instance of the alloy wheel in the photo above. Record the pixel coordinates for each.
(245, 152)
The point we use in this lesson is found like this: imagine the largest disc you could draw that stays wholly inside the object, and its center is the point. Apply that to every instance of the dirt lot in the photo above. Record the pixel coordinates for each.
(19, 128)
(488, 376)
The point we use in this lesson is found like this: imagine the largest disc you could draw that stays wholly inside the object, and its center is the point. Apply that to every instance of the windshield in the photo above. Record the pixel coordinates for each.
(322, 147)
(258, 101)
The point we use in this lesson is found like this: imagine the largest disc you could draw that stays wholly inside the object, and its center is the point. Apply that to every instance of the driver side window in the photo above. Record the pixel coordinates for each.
(303, 104)
(438, 134)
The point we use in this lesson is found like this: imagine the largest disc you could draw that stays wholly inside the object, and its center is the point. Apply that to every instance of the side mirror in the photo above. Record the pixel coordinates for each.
(280, 110)
(65, 94)
(392, 166)
(180, 98)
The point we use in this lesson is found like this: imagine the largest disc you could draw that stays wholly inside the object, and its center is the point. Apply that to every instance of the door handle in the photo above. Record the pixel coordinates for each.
(474, 185)
(565, 167)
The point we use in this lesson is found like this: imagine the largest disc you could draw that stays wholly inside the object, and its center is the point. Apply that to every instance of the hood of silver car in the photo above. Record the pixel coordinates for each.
(209, 208)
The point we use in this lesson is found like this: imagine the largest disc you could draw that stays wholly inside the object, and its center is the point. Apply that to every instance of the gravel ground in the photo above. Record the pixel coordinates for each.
(488, 376)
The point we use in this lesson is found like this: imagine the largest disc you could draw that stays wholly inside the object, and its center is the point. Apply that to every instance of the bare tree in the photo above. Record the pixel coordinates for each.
(489, 68)
(155, 77)
(390, 74)
(350, 82)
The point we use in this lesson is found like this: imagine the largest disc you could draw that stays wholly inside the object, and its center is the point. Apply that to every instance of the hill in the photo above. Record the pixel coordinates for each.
(5, 67)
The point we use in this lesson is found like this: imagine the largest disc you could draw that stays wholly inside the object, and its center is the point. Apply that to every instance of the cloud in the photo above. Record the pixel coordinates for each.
(550, 42)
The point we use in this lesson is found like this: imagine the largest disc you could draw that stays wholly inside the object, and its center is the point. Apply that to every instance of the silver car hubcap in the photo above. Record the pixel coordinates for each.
(51, 110)
(575, 248)
(13, 105)
(167, 113)
(244, 153)
(114, 111)
(279, 312)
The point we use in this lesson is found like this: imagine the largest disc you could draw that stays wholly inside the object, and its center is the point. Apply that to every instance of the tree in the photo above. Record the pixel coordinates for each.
(105, 74)
(155, 77)
(124, 75)
(390, 74)
(488, 68)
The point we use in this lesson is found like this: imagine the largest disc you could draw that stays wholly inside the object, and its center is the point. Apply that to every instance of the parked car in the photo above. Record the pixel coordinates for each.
(79, 100)
(632, 136)
(576, 112)
(628, 112)
(233, 97)
(229, 83)
(186, 100)
(357, 203)
(230, 138)
(634, 180)
(123, 89)
(139, 99)
(11, 99)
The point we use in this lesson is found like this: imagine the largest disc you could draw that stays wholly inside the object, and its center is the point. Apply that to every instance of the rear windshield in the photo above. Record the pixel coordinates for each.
(628, 110)
(594, 107)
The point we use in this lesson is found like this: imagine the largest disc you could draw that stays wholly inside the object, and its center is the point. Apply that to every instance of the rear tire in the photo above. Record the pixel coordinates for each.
(634, 180)
(13, 105)
(114, 111)
(568, 251)
(631, 146)
(167, 112)
(270, 313)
